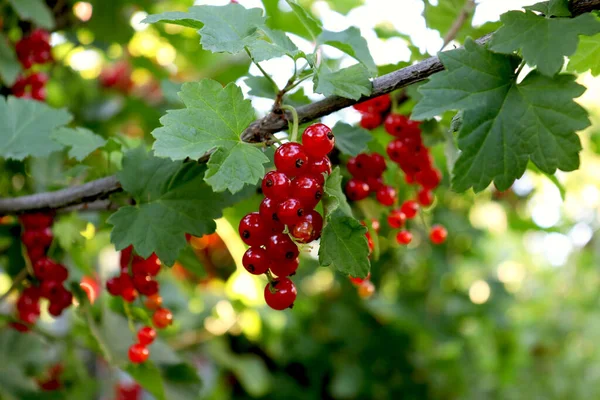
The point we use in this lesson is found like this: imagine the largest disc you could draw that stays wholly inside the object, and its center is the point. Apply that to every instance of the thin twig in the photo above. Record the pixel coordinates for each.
(17, 280)
(459, 22)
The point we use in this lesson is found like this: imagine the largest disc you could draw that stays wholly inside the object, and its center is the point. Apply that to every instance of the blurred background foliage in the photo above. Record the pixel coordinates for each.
(508, 308)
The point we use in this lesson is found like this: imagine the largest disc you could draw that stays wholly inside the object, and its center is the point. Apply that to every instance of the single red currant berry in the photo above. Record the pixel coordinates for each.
(370, 121)
(366, 165)
(144, 284)
(38, 93)
(252, 229)
(150, 266)
(28, 317)
(378, 164)
(41, 238)
(374, 183)
(429, 178)
(268, 212)
(410, 208)
(308, 228)
(366, 289)
(113, 286)
(162, 318)
(291, 159)
(153, 302)
(38, 79)
(378, 104)
(425, 197)
(319, 166)
(43, 267)
(353, 168)
(397, 150)
(55, 309)
(129, 294)
(358, 281)
(276, 185)
(126, 257)
(318, 140)
(36, 253)
(290, 211)
(281, 247)
(285, 267)
(316, 220)
(51, 289)
(146, 335)
(19, 327)
(409, 178)
(438, 234)
(403, 237)
(256, 260)
(386, 195)
(396, 219)
(308, 190)
(138, 353)
(36, 220)
(394, 124)
(58, 273)
(280, 294)
(356, 189)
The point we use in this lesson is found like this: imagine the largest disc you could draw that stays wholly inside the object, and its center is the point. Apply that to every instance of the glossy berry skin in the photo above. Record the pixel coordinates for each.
(366, 289)
(425, 197)
(386, 195)
(281, 247)
(276, 185)
(410, 208)
(162, 318)
(43, 268)
(252, 229)
(268, 212)
(397, 151)
(308, 190)
(356, 190)
(318, 140)
(396, 219)
(378, 104)
(395, 123)
(438, 234)
(129, 294)
(290, 211)
(113, 286)
(256, 260)
(370, 121)
(285, 267)
(374, 183)
(145, 285)
(146, 335)
(37, 238)
(280, 294)
(378, 164)
(36, 220)
(429, 178)
(358, 281)
(319, 166)
(153, 302)
(150, 265)
(291, 159)
(404, 237)
(308, 228)
(138, 353)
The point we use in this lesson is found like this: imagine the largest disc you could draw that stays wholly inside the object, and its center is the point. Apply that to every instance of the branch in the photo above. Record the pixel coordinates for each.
(258, 131)
(458, 23)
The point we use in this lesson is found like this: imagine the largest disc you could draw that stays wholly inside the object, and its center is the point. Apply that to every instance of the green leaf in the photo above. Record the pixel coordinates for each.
(260, 87)
(504, 124)
(82, 142)
(172, 199)
(26, 126)
(351, 140)
(543, 42)
(312, 25)
(67, 231)
(334, 197)
(149, 377)
(35, 11)
(352, 43)
(188, 259)
(278, 45)
(587, 56)
(552, 8)
(352, 82)
(10, 68)
(213, 119)
(344, 245)
(188, 19)
(441, 16)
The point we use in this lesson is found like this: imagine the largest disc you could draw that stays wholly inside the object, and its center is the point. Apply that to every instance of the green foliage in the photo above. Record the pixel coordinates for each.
(9, 65)
(349, 139)
(543, 42)
(80, 140)
(35, 11)
(278, 45)
(312, 25)
(352, 43)
(587, 56)
(483, 84)
(352, 82)
(552, 8)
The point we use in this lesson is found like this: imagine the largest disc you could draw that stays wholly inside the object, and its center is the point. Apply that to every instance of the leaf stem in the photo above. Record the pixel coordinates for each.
(94, 331)
(266, 75)
(130, 321)
(294, 134)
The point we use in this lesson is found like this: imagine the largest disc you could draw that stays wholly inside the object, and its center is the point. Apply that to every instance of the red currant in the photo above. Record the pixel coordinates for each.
(281, 247)
(126, 255)
(358, 281)
(113, 286)
(366, 289)
(397, 150)
(356, 189)
(378, 104)
(268, 212)
(425, 197)
(386, 195)
(153, 302)
(395, 123)
(318, 140)
(162, 318)
(403, 237)
(58, 273)
(318, 167)
(429, 178)
(410, 208)
(144, 284)
(138, 353)
(370, 121)
(256, 260)
(438, 234)
(290, 211)
(43, 268)
(280, 294)
(41, 238)
(285, 268)
(36, 220)
(149, 266)
(129, 294)
(378, 164)
(308, 190)
(291, 159)
(374, 183)
(276, 185)
(146, 335)
(308, 228)
(396, 219)
(252, 229)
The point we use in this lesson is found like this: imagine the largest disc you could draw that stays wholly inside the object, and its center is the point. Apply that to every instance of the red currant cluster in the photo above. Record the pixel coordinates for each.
(50, 276)
(32, 86)
(373, 111)
(138, 352)
(117, 76)
(287, 216)
(51, 381)
(367, 177)
(128, 391)
(33, 49)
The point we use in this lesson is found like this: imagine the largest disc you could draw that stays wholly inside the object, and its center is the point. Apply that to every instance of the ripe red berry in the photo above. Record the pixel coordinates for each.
(318, 140)
(396, 219)
(43, 268)
(410, 208)
(268, 212)
(425, 197)
(41, 238)
(138, 353)
(144, 284)
(162, 318)
(252, 229)
(438, 234)
(366, 289)
(404, 237)
(126, 258)
(370, 121)
(276, 185)
(153, 302)
(129, 294)
(113, 286)
(38, 93)
(378, 164)
(395, 123)
(356, 189)
(146, 335)
(284, 268)
(291, 159)
(397, 151)
(36, 220)
(281, 247)
(256, 260)
(290, 211)
(280, 294)
(374, 183)
(358, 281)
(36, 253)
(308, 227)
(386, 195)
(319, 166)
(379, 104)
(150, 266)
(308, 190)
(429, 178)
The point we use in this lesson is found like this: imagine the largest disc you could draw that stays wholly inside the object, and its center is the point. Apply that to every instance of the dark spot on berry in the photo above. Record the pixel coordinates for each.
(251, 268)
(275, 217)
(395, 154)
(300, 212)
(318, 195)
(358, 165)
(291, 306)
(246, 234)
(330, 135)
(269, 183)
(289, 255)
(299, 163)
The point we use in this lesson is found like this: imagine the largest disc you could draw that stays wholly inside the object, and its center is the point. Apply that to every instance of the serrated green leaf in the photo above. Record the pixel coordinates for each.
(26, 126)
(277, 45)
(188, 19)
(312, 25)
(10, 68)
(505, 124)
(172, 200)
(213, 119)
(352, 43)
(441, 16)
(334, 197)
(149, 377)
(552, 8)
(587, 56)
(35, 11)
(352, 82)
(351, 140)
(344, 245)
(543, 42)
(260, 87)
(82, 142)
(188, 259)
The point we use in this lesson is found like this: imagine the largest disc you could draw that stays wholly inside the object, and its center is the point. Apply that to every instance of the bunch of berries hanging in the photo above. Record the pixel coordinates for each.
(287, 216)
(33, 49)
(373, 111)
(49, 275)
